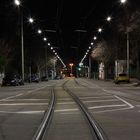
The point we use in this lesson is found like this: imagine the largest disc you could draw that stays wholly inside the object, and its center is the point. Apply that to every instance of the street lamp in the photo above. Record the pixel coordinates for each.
(95, 38)
(100, 30)
(39, 31)
(108, 18)
(45, 39)
(18, 3)
(127, 36)
(49, 44)
(92, 43)
(71, 65)
(31, 20)
(123, 1)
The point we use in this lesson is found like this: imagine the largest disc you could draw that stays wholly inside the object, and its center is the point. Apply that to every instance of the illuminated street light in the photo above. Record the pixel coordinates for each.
(92, 43)
(39, 31)
(95, 38)
(17, 2)
(45, 39)
(100, 30)
(108, 18)
(49, 44)
(128, 44)
(31, 20)
(123, 1)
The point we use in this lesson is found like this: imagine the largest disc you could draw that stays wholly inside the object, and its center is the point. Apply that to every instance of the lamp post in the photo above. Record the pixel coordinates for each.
(127, 49)
(127, 33)
(46, 69)
(18, 3)
(55, 60)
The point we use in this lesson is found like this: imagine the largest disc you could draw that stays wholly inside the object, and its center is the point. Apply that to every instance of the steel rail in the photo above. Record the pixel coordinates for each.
(97, 130)
(47, 117)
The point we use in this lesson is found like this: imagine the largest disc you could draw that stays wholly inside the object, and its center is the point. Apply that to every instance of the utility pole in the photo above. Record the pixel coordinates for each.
(128, 53)
(89, 72)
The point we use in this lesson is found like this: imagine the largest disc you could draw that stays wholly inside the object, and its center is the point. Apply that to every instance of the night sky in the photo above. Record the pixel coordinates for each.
(65, 17)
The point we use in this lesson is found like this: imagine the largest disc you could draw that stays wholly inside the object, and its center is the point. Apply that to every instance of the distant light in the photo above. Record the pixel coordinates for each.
(39, 31)
(108, 18)
(79, 69)
(51, 48)
(17, 2)
(31, 20)
(87, 51)
(95, 38)
(45, 39)
(80, 64)
(49, 44)
(123, 1)
(54, 51)
(100, 30)
(89, 47)
(71, 64)
(92, 43)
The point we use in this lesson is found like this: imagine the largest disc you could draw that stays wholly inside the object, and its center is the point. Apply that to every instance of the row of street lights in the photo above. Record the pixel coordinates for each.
(39, 31)
(108, 19)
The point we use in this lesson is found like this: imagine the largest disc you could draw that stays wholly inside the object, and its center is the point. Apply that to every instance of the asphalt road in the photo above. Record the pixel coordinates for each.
(116, 109)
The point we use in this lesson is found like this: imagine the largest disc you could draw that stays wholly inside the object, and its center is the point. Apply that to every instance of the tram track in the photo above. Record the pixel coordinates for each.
(96, 129)
(46, 119)
(42, 132)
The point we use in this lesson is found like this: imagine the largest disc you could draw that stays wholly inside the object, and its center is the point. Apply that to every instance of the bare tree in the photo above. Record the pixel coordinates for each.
(131, 24)
(103, 52)
(5, 54)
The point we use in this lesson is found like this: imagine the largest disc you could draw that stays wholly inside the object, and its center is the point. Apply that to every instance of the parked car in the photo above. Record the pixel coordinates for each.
(10, 80)
(33, 78)
(122, 77)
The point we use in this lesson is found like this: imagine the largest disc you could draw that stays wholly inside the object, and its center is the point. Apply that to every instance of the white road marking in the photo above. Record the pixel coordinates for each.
(12, 97)
(37, 89)
(130, 105)
(11, 100)
(23, 112)
(95, 97)
(23, 104)
(66, 110)
(113, 100)
(66, 103)
(64, 99)
(106, 106)
(22, 93)
(69, 113)
(111, 110)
